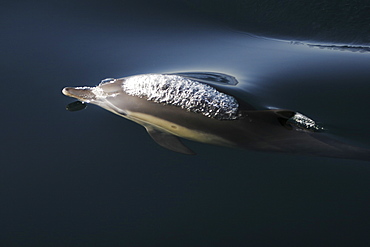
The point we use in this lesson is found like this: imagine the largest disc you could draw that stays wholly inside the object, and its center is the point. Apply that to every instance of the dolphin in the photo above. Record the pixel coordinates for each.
(197, 106)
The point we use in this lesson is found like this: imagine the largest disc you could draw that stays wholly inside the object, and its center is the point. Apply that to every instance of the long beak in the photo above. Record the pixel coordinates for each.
(84, 94)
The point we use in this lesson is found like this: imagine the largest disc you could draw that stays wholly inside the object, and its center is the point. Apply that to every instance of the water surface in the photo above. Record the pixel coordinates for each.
(90, 178)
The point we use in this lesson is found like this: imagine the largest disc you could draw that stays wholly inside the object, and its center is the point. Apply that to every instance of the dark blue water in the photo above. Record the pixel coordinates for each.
(90, 178)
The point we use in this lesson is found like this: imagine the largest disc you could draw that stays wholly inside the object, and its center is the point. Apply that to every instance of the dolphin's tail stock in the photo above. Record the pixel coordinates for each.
(292, 132)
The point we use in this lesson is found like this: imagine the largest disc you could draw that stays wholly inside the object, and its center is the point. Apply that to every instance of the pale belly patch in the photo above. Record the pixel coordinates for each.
(176, 129)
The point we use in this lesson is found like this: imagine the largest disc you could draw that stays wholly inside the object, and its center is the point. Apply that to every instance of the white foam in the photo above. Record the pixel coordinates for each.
(183, 92)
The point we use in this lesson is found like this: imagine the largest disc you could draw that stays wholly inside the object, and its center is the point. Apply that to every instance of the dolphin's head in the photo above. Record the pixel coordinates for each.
(108, 95)
(95, 95)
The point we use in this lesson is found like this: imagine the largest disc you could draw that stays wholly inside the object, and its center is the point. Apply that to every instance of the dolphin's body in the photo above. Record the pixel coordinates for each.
(193, 106)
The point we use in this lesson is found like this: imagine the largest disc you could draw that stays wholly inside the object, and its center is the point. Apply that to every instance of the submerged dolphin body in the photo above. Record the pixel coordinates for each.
(193, 106)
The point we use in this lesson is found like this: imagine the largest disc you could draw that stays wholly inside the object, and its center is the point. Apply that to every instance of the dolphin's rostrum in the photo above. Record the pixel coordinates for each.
(197, 107)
